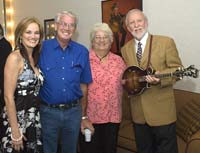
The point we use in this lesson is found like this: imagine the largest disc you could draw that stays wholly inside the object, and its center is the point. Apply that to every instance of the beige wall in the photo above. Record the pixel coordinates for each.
(176, 18)
(88, 12)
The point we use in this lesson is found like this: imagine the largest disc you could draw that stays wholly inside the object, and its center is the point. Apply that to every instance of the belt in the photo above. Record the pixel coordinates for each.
(61, 106)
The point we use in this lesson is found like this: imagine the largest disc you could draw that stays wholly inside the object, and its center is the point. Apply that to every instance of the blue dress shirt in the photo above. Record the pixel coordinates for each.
(63, 70)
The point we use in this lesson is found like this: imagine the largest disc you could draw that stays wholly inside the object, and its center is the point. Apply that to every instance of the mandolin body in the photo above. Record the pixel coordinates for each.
(133, 84)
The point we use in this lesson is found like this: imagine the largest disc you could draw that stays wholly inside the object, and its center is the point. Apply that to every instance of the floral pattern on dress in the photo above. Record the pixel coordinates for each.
(105, 92)
(27, 107)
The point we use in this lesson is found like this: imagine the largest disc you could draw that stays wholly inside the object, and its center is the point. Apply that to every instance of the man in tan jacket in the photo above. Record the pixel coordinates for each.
(153, 111)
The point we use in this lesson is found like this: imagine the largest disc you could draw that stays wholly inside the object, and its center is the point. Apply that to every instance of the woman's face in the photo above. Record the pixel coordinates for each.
(31, 36)
(101, 41)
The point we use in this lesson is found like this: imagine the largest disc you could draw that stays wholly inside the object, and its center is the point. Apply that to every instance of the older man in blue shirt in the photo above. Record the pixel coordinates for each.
(66, 69)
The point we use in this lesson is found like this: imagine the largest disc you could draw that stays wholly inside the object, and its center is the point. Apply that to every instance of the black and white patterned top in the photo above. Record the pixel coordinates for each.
(27, 107)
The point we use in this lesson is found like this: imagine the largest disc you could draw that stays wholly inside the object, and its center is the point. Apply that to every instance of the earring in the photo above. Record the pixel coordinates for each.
(20, 40)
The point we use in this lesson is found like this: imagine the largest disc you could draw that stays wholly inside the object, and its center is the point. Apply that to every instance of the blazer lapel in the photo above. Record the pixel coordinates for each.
(145, 55)
(132, 53)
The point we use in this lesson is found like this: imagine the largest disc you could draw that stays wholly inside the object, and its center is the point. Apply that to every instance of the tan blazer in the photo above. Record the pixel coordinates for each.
(156, 105)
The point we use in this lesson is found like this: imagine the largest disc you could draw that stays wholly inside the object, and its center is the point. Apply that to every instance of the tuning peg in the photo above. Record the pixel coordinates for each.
(192, 66)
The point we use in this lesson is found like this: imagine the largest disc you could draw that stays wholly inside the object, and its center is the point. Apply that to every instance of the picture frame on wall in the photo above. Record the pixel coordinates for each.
(113, 13)
(49, 29)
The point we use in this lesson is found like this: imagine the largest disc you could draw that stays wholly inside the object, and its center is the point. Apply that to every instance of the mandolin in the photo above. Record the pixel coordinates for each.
(135, 83)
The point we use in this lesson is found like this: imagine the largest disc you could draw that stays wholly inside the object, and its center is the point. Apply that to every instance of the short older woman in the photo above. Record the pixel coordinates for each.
(105, 93)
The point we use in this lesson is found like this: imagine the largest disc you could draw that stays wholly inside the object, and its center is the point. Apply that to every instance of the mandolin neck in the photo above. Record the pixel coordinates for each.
(158, 76)
(163, 75)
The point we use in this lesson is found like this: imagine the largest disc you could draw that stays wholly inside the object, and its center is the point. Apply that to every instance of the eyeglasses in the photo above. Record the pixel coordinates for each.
(101, 38)
(65, 25)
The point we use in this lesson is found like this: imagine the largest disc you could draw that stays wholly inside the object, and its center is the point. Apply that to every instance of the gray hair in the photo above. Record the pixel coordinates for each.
(66, 13)
(102, 27)
(133, 11)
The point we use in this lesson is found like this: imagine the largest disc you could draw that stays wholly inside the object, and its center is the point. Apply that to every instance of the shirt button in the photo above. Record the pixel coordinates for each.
(64, 90)
(63, 78)
(63, 68)
(63, 57)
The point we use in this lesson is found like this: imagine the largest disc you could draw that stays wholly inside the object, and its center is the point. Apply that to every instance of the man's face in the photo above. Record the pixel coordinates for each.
(137, 25)
(65, 28)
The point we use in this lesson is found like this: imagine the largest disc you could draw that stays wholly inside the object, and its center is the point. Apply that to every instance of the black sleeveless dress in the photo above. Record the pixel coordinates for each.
(27, 107)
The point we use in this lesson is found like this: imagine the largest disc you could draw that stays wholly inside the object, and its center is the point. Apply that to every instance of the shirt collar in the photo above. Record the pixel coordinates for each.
(143, 40)
(94, 56)
(56, 44)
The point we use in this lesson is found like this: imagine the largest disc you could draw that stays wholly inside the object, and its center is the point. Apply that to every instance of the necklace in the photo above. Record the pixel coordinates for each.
(100, 58)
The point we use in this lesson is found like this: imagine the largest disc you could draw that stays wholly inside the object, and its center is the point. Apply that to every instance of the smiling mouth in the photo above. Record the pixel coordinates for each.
(33, 41)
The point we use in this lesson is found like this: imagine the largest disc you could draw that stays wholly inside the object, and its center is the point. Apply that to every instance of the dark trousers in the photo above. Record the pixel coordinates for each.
(156, 139)
(104, 139)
